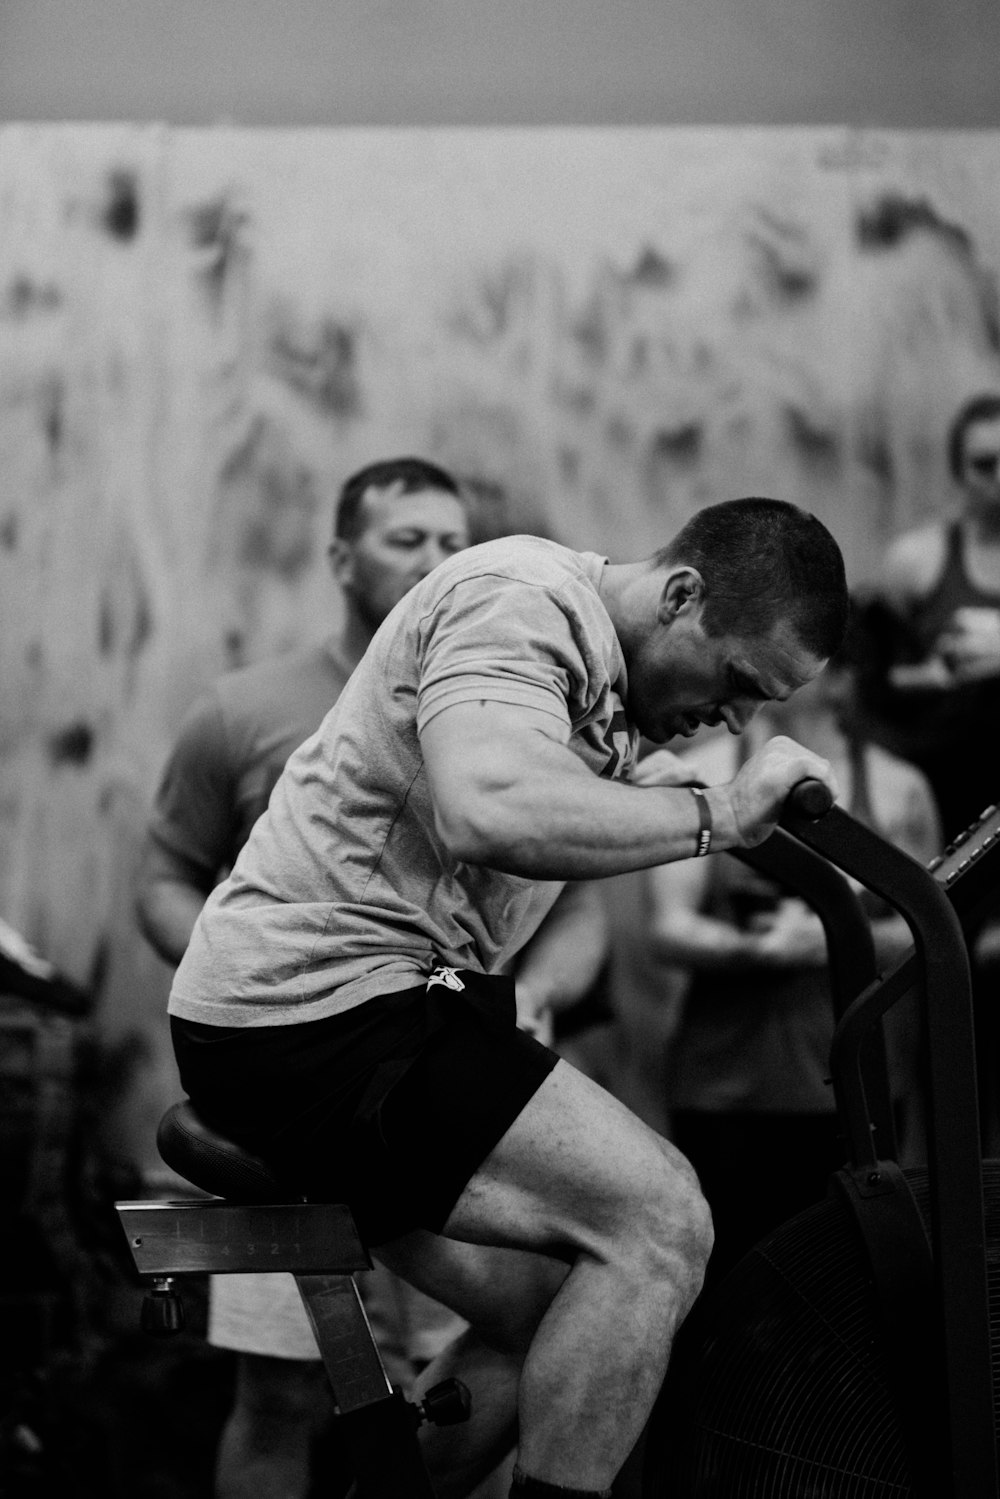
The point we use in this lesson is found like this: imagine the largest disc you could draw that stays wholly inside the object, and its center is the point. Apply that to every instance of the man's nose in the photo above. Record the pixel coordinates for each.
(432, 553)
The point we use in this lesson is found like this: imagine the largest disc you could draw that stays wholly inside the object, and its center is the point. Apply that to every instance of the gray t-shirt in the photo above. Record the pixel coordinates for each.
(344, 890)
(232, 747)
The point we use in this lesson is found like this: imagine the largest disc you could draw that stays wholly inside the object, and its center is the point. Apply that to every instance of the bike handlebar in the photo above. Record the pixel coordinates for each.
(811, 799)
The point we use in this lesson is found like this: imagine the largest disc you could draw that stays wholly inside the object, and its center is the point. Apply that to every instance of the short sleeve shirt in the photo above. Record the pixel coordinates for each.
(232, 747)
(344, 890)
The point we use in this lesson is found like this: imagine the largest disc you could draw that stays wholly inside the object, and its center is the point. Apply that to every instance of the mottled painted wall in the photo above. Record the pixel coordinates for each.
(203, 332)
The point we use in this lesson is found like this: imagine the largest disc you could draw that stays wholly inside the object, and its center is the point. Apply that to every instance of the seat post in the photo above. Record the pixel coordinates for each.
(346, 1343)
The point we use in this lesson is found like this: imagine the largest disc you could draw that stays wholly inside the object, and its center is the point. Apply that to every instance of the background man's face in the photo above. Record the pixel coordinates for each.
(981, 460)
(404, 537)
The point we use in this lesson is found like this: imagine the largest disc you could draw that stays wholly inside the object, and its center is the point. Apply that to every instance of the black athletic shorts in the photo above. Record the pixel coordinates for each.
(390, 1107)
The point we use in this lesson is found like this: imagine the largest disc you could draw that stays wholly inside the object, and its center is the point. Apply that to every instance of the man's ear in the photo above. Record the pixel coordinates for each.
(683, 591)
(340, 555)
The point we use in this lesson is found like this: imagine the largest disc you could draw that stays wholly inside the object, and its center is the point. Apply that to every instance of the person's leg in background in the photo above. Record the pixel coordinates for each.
(280, 1399)
(410, 1329)
(282, 1405)
(266, 1445)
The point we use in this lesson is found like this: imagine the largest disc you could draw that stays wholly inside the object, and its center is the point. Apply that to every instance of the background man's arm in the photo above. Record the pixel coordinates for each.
(191, 834)
(170, 893)
(557, 966)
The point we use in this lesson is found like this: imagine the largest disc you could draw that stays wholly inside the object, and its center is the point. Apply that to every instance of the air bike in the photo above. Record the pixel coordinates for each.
(850, 1354)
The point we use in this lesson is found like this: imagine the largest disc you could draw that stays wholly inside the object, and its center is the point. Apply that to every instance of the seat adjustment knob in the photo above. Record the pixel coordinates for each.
(162, 1309)
(447, 1403)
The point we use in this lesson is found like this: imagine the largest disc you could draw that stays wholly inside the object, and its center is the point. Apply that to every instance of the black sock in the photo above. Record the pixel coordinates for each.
(525, 1487)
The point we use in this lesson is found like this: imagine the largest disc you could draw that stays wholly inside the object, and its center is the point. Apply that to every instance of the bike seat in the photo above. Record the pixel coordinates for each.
(212, 1162)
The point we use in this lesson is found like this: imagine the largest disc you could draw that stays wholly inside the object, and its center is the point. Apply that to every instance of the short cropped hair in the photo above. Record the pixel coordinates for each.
(763, 561)
(982, 408)
(410, 474)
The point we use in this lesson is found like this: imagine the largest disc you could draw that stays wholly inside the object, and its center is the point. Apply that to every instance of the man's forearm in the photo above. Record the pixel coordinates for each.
(509, 795)
(549, 834)
(538, 812)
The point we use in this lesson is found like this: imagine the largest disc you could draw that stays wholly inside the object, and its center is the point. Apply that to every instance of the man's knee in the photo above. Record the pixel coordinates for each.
(675, 1237)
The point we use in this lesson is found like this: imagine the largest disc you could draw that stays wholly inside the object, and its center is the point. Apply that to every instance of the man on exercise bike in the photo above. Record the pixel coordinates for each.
(339, 1009)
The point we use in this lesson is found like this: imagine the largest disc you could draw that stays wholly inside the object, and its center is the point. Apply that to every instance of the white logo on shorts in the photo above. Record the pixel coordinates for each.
(446, 976)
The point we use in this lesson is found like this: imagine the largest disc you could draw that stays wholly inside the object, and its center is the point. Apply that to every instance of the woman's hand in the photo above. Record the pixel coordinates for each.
(790, 936)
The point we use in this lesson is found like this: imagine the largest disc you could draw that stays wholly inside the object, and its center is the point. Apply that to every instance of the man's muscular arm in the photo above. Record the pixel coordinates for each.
(508, 792)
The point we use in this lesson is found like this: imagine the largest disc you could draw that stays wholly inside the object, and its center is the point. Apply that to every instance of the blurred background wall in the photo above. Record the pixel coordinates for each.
(511, 62)
(638, 257)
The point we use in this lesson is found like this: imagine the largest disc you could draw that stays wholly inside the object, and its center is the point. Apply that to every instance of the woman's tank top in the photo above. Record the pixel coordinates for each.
(955, 729)
(954, 590)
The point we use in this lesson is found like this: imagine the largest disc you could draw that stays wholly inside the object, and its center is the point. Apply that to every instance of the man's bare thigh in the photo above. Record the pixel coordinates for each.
(567, 1174)
(572, 1167)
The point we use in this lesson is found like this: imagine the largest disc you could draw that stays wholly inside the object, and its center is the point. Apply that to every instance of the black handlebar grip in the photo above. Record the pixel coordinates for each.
(810, 798)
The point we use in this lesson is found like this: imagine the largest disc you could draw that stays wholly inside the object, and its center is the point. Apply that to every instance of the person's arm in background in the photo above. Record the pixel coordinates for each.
(793, 935)
(909, 572)
(170, 893)
(189, 838)
(907, 817)
(968, 649)
(683, 935)
(971, 644)
(987, 946)
(558, 965)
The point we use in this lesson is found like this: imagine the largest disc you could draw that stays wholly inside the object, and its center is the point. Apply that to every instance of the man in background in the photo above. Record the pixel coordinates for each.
(747, 1075)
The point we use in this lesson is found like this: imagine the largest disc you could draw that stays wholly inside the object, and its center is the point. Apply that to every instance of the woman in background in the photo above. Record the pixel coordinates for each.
(748, 1076)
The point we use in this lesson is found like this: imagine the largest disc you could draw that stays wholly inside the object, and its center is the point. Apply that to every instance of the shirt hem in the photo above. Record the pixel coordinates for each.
(257, 1013)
